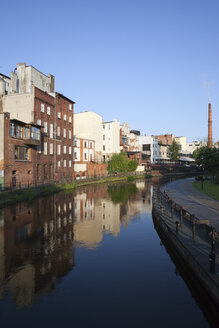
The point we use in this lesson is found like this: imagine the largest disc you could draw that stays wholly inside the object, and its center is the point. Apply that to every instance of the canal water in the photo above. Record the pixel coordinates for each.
(91, 258)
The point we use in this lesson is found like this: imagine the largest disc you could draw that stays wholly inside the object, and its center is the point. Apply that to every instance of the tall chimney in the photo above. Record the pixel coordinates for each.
(210, 140)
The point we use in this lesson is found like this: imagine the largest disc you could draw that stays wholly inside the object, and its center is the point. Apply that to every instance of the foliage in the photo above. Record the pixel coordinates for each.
(132, 165)
(174, 150)
(209, 188)
(208, 159)
(121, 163)
(130, 178)
(120, 194)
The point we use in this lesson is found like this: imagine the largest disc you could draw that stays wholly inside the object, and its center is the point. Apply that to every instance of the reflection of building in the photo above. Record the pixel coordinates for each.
(36, 247)
(140, 203)
(93, 217)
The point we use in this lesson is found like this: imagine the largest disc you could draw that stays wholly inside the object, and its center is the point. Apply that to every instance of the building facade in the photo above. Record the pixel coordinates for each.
(111, 139)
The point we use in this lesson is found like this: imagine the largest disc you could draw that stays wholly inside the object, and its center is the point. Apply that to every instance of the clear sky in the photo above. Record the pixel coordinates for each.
(144, 62)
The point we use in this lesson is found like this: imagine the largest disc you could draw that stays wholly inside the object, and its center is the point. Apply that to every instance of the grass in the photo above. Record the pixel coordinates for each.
(211, 189)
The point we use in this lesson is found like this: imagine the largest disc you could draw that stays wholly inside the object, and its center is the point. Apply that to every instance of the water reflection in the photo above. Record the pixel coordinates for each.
(38, 239)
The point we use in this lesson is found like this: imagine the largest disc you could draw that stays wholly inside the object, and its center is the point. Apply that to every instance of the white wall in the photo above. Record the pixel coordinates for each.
(111, 131)
(88, 125)
(20, 107)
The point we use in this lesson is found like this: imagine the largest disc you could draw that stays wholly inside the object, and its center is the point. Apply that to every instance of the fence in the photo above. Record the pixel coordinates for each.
(188, 225)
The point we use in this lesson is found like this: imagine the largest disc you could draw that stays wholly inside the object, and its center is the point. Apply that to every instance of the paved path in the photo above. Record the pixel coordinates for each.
(194, 201)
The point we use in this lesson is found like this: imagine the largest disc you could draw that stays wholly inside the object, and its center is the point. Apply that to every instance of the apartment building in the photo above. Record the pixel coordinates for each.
(88, 126)
(111, 139)
(149, 148)
(84, 160)
(49, 117)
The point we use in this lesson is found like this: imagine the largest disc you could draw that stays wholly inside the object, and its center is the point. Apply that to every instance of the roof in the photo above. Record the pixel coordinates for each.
(64, 97)
(5, 76)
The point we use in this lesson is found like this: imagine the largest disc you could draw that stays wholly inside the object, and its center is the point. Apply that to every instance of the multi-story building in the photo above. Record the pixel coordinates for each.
(88, 126)
(165, 139)
(35, 113)
(111, 139)
(149, 148)
(182, 142)
(129, 140)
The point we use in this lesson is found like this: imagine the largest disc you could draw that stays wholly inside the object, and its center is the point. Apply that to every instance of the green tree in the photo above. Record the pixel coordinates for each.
(121, 163)
(174, 150)
(208, 159)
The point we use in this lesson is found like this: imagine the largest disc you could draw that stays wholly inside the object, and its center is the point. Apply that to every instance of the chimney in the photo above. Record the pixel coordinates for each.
(210, 140)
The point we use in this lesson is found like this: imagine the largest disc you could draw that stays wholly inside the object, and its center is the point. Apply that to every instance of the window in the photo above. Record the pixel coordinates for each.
(69, 163)
(85, 144)
(39, 122)
(35, 133)
(85, 155)
(70, 119)
(45, 148)
(51, 131)
(64, 163)
(69, 150)
(58, 131)
(26, 133)
(103, 147)
(104, 137)
(64, 133)
(75, 143)
(69, 134)
(91, 145)
(12, 130)
(104, 127)
(21, 153)
(59, 150)
(48, 110)
(18, 131)
(64, 149)
(51, 149)
(65, 117)
(45, 127)
(58, 164)
(42, 108)
(75, 157)
(70, 107)
(59, 115)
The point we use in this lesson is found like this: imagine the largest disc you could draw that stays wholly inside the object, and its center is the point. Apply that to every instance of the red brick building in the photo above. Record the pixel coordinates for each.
(39, 151)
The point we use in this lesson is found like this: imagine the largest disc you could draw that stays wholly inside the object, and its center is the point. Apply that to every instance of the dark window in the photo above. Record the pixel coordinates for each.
(146, 147)
(21, 153)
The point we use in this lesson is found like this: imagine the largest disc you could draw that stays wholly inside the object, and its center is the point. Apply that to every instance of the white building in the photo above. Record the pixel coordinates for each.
(88, 125)
(182, 142)
(111, 138)
(191, 146)
(149, 148)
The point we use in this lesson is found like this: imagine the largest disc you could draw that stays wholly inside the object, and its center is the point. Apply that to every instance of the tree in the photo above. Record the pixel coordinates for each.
(121, 163)
(208, 159)
(174, 150)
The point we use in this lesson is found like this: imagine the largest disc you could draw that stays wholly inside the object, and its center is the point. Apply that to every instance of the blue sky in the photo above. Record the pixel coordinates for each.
(144, 62)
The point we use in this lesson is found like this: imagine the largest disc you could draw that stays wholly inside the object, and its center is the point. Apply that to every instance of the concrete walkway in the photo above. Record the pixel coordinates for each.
(194, 201)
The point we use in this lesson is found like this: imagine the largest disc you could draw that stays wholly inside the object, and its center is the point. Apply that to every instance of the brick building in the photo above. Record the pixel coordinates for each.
(36, 144)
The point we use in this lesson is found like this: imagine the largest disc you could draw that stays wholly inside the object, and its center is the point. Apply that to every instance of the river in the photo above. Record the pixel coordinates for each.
(91, 258)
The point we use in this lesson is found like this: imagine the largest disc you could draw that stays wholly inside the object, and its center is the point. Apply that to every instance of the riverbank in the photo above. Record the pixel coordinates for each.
(13, 196)
(10, 197)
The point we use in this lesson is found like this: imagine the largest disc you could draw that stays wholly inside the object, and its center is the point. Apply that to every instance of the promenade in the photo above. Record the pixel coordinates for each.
(194, 201)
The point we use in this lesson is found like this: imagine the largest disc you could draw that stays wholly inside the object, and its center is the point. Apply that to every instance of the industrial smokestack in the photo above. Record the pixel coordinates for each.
(210, 140)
